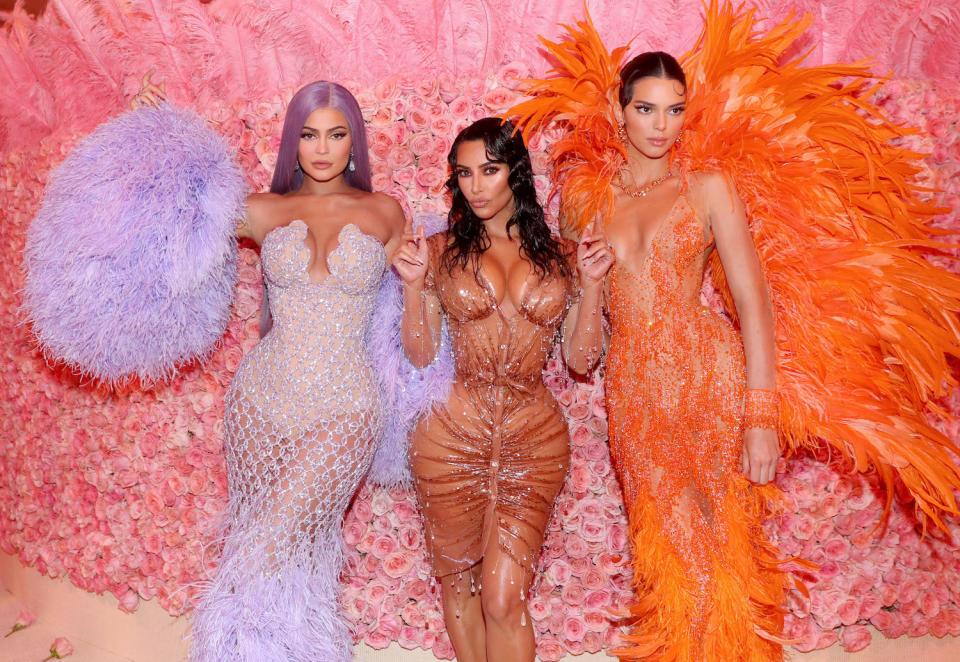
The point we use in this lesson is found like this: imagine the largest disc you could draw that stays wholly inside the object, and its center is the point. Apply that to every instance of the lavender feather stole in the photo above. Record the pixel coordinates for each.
(131, 261)
(408, 392)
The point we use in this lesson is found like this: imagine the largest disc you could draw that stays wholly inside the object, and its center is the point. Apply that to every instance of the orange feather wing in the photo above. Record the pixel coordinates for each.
(866, 324)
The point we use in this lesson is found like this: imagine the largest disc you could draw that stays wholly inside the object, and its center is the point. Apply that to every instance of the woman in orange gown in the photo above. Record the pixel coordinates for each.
(489, 461)
(692, 407)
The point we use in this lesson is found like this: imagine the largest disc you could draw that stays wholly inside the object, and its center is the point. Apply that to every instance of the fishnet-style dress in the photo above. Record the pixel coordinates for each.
(488, 462)
(302, 416)
(707, 579)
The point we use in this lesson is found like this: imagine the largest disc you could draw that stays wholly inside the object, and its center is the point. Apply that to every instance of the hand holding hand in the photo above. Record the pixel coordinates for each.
(594, 256)
(411, 258)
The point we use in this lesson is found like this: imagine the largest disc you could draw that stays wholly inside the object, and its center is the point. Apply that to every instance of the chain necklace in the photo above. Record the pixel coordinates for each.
(641, 191)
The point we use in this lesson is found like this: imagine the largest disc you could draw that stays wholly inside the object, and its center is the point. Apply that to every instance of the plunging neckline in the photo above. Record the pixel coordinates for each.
(487, 286)
(326, 258)
(654, 238)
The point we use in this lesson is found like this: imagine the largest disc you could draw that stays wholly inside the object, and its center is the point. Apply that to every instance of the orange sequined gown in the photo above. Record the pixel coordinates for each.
(705, 576)
(488, 462)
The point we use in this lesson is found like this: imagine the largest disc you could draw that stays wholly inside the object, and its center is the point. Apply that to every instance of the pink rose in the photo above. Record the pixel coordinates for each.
(386, 91)
(25, 619)
(409, 637)
(855, 638)
(353, 532)
(362, 510)
(849, 611)
(474, 87)
(383, 546)
(593, 579)
(499, 99)
(579, 566)
(549, 650)
(574, 629)
(430, 179)
(397, 564)
(421, 143)
(60, 648)
(580, 478)
(129, 602)
(460, 108)
(418, 120)
(616, 538)
(579, 434)
(512, 73)
(383, 118)
(538, 608)
(411, 615)
(376, 640)
(575, 546)
(596, 621)
(442, 648)
(447, 88)
(441, 126)
(558, 572)
(573, 594)
(410, 537)
(405, 176)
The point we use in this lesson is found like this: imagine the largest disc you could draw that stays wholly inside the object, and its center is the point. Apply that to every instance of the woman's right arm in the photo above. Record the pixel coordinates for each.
(422, 317)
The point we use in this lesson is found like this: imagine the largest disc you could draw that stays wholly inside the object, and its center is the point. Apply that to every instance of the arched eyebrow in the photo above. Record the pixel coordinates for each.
(482, 165)
(339, 127)
(653, 105)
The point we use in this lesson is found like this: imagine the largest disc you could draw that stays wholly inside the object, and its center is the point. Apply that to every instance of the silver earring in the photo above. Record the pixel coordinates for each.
(350, 165)
(297, 168)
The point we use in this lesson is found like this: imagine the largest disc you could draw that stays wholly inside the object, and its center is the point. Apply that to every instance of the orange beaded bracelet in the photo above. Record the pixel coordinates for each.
(761, 409)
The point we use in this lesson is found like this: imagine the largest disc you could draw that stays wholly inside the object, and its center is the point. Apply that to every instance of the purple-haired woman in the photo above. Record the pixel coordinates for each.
(303, 412)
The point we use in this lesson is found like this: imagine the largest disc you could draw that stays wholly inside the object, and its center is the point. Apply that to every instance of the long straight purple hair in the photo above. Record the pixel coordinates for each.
(320, 94)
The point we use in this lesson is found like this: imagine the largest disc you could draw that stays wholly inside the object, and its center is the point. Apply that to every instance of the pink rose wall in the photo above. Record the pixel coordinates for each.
(117, 491)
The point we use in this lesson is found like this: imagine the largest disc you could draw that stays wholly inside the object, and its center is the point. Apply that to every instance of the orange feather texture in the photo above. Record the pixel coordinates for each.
(866, 325)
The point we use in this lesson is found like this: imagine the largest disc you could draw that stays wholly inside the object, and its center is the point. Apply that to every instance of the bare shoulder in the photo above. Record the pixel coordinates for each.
(712, 186)
(263, 210)
(389, 208)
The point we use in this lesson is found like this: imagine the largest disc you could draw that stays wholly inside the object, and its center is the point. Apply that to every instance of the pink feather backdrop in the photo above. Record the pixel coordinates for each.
(115, 490)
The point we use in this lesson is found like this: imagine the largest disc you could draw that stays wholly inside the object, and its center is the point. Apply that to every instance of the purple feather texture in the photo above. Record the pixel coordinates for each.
(265, 614)
(131, 261)
(408, 392)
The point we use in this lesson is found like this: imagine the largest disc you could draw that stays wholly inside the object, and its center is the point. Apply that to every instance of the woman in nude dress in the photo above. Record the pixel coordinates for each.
(489, 461)
(303, 411)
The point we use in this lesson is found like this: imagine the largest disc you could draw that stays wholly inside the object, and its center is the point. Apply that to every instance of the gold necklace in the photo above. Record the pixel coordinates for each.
(641, 191)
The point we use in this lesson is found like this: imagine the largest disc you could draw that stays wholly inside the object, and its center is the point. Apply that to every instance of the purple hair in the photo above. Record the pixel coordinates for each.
(320, 94)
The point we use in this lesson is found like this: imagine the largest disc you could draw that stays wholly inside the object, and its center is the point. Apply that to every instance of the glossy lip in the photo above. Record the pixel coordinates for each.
(321, 165)
(478, 204)
(658, 142)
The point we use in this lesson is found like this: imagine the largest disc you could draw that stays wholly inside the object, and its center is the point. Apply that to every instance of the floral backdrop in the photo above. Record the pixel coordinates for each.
(117, 490)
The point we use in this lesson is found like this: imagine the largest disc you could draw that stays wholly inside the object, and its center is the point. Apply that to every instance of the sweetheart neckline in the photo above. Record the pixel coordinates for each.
(326, 259)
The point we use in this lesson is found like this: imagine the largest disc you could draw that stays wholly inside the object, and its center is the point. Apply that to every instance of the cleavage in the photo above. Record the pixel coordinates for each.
(506, 276)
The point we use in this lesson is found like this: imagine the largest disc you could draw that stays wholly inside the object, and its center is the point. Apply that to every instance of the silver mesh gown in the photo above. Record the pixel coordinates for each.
(302, 416)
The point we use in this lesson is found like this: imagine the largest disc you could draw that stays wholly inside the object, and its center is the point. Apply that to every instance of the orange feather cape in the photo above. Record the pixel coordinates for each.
(865, 324)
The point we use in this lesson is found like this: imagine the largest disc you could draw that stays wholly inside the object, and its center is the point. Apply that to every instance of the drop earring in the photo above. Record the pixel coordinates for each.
(297, 167)
(622, 133)
(350, 164)
(679, 137)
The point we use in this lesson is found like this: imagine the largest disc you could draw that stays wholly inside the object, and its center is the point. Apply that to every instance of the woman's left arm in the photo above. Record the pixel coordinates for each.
(741, 264)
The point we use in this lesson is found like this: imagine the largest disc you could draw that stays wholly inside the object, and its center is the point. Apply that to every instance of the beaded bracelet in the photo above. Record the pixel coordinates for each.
(761, 409)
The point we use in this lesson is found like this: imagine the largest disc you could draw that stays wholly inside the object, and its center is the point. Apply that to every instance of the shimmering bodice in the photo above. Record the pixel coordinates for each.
(488, 346)
(669, 279)
(314, 357)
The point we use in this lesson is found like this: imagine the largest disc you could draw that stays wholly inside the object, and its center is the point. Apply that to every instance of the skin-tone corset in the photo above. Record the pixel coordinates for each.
(489, 461)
